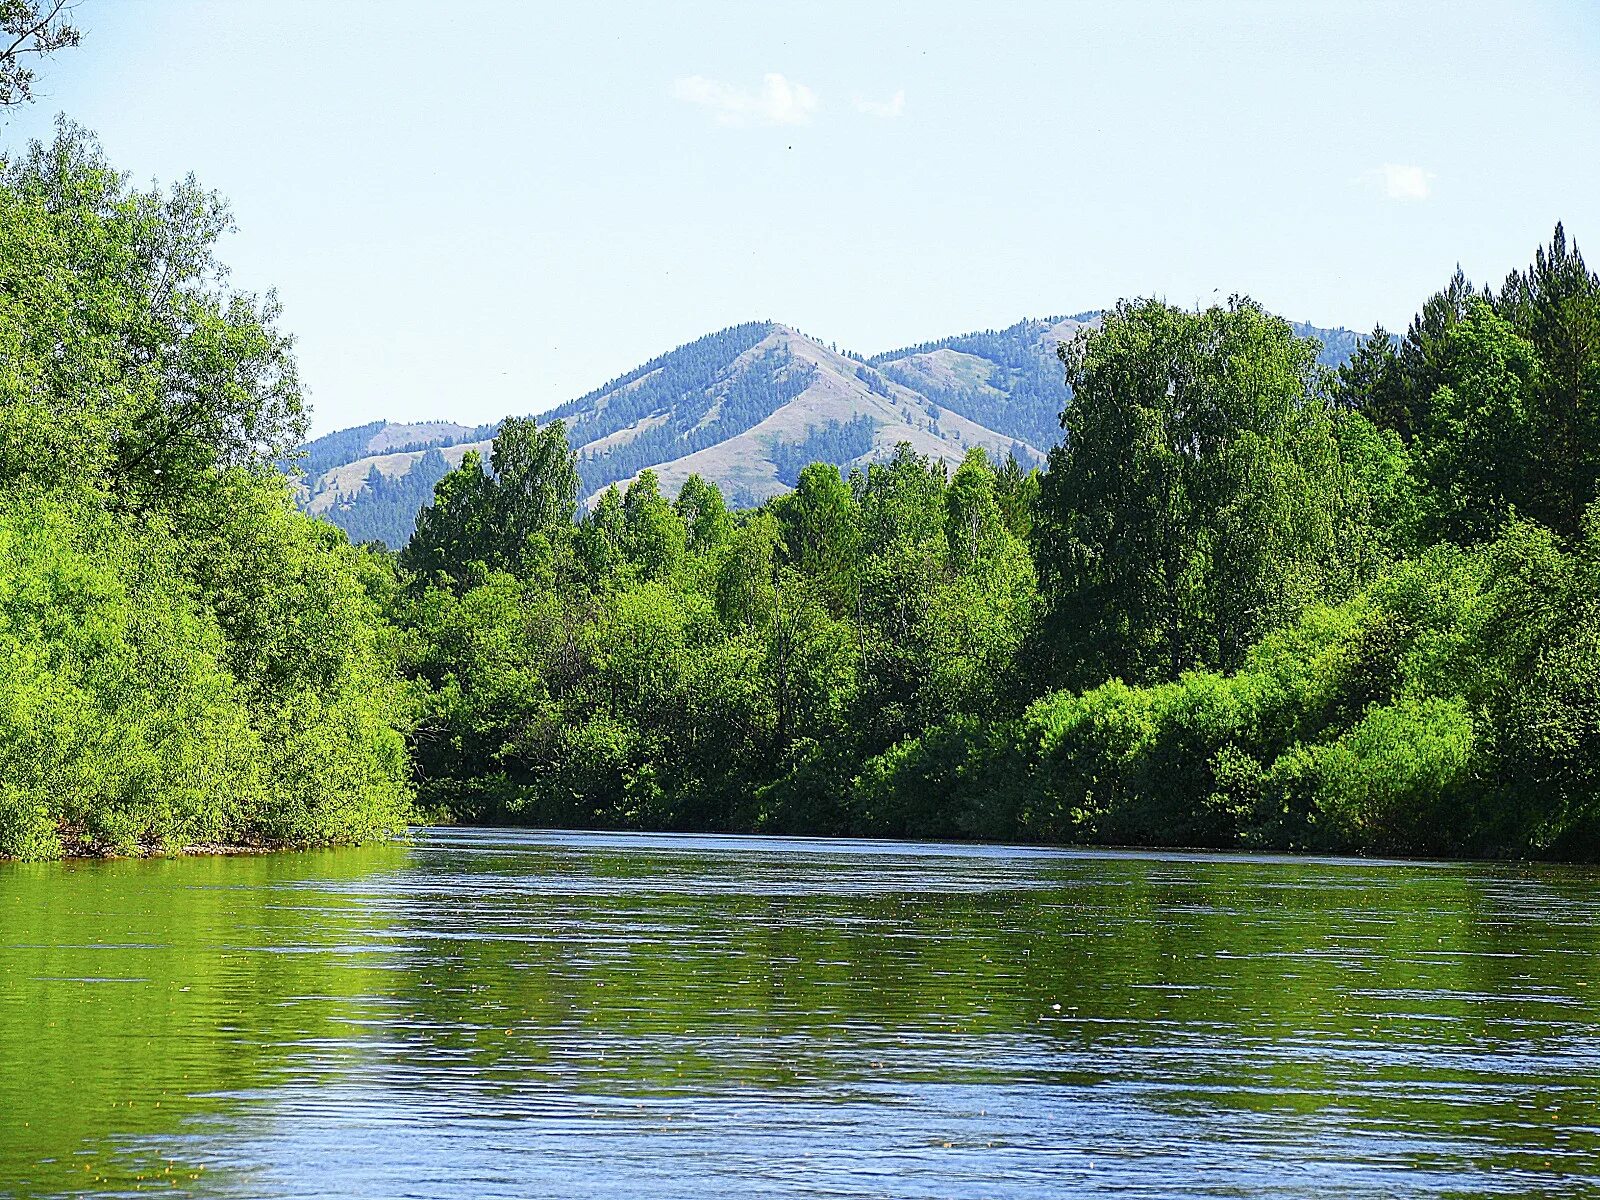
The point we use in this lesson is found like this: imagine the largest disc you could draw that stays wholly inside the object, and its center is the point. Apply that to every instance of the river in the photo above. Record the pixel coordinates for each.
(489, 1013)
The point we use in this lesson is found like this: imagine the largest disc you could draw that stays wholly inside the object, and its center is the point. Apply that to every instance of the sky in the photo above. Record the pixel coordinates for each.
(476, 209)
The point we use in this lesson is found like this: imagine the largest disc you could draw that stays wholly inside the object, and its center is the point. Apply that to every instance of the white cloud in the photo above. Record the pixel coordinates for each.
(1400, 182)
(780, 101)
(888, 109)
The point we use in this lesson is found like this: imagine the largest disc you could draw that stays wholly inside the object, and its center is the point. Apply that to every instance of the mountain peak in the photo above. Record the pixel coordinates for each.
(744, 407)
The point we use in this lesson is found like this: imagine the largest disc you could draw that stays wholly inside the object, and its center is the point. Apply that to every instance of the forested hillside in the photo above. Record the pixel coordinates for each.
(1010, 377)
(1249, 601)
(745, 408)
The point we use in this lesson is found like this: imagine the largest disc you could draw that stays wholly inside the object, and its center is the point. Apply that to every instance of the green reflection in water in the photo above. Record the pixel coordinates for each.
(1434, 1016)
(135, 994)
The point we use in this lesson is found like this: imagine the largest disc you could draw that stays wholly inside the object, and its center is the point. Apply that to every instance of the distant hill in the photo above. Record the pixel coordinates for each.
(746, 407)
(371, 480)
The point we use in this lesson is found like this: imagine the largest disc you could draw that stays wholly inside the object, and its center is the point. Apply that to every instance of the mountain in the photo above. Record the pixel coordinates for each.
(371, 480)
(746, 407)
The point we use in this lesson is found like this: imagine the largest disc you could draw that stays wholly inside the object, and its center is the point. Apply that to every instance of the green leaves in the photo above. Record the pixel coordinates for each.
(1191, 508)
(30, 27)
(1497, 397)
(1478, 441)
(141, 372)
(653, 536)
(675, 665)
(183, 657)
(516, 518)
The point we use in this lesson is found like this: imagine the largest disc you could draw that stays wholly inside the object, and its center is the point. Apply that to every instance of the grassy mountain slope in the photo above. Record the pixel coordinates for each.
(742, 407)
(1008, 379)
(810, 386)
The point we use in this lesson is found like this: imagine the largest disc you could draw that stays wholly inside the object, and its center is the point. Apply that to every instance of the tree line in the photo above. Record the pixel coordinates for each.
(1249, 600)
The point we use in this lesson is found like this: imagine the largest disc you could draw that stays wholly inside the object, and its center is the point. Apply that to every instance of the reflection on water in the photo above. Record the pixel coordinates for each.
(486, 1013)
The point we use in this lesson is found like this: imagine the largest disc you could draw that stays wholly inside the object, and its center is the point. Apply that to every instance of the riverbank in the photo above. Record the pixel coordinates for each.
(443, 825)
(79, 850)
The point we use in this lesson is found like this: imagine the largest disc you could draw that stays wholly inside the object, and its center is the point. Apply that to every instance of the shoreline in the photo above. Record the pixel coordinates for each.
(81, 853)
(89, 854)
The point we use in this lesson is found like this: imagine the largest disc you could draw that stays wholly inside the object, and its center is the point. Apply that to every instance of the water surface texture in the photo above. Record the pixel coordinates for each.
(489, 1013)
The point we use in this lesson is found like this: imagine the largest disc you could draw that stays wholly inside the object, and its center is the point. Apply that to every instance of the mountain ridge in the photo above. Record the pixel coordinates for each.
(742, 407)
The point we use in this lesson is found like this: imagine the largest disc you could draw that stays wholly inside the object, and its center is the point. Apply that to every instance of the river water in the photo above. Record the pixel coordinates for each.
(490, 1013)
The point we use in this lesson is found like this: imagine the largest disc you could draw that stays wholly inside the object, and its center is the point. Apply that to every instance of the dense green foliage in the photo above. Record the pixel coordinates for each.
(1424, 680)
(183, 657)
(1207, 489)
(1451, 706)
(663, 665)
(1250, 601)
(1291, 606)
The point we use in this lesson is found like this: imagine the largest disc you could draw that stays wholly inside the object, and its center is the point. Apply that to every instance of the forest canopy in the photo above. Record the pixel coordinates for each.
(1249, 600)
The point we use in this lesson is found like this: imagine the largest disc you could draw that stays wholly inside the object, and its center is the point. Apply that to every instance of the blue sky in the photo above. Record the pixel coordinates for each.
(474, 209)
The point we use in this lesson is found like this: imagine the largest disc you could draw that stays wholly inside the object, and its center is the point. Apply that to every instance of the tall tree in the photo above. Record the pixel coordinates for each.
(600, 535)
(168, 374)
(1190, 508)
(1371, 383)
(186, 657)
(535, 486)
(653, 536)
(1478, 449)
(1395, 391)
(505, 521)
(821, 525)
(1555, 305)
(454, 535)
(974, 525)
(704, 514)
(1017, 491)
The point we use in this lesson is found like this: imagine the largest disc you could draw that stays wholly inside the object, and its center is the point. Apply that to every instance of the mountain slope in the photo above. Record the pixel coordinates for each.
(371, 480)
(745, 407)
(1010, 379)
(805, 390)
